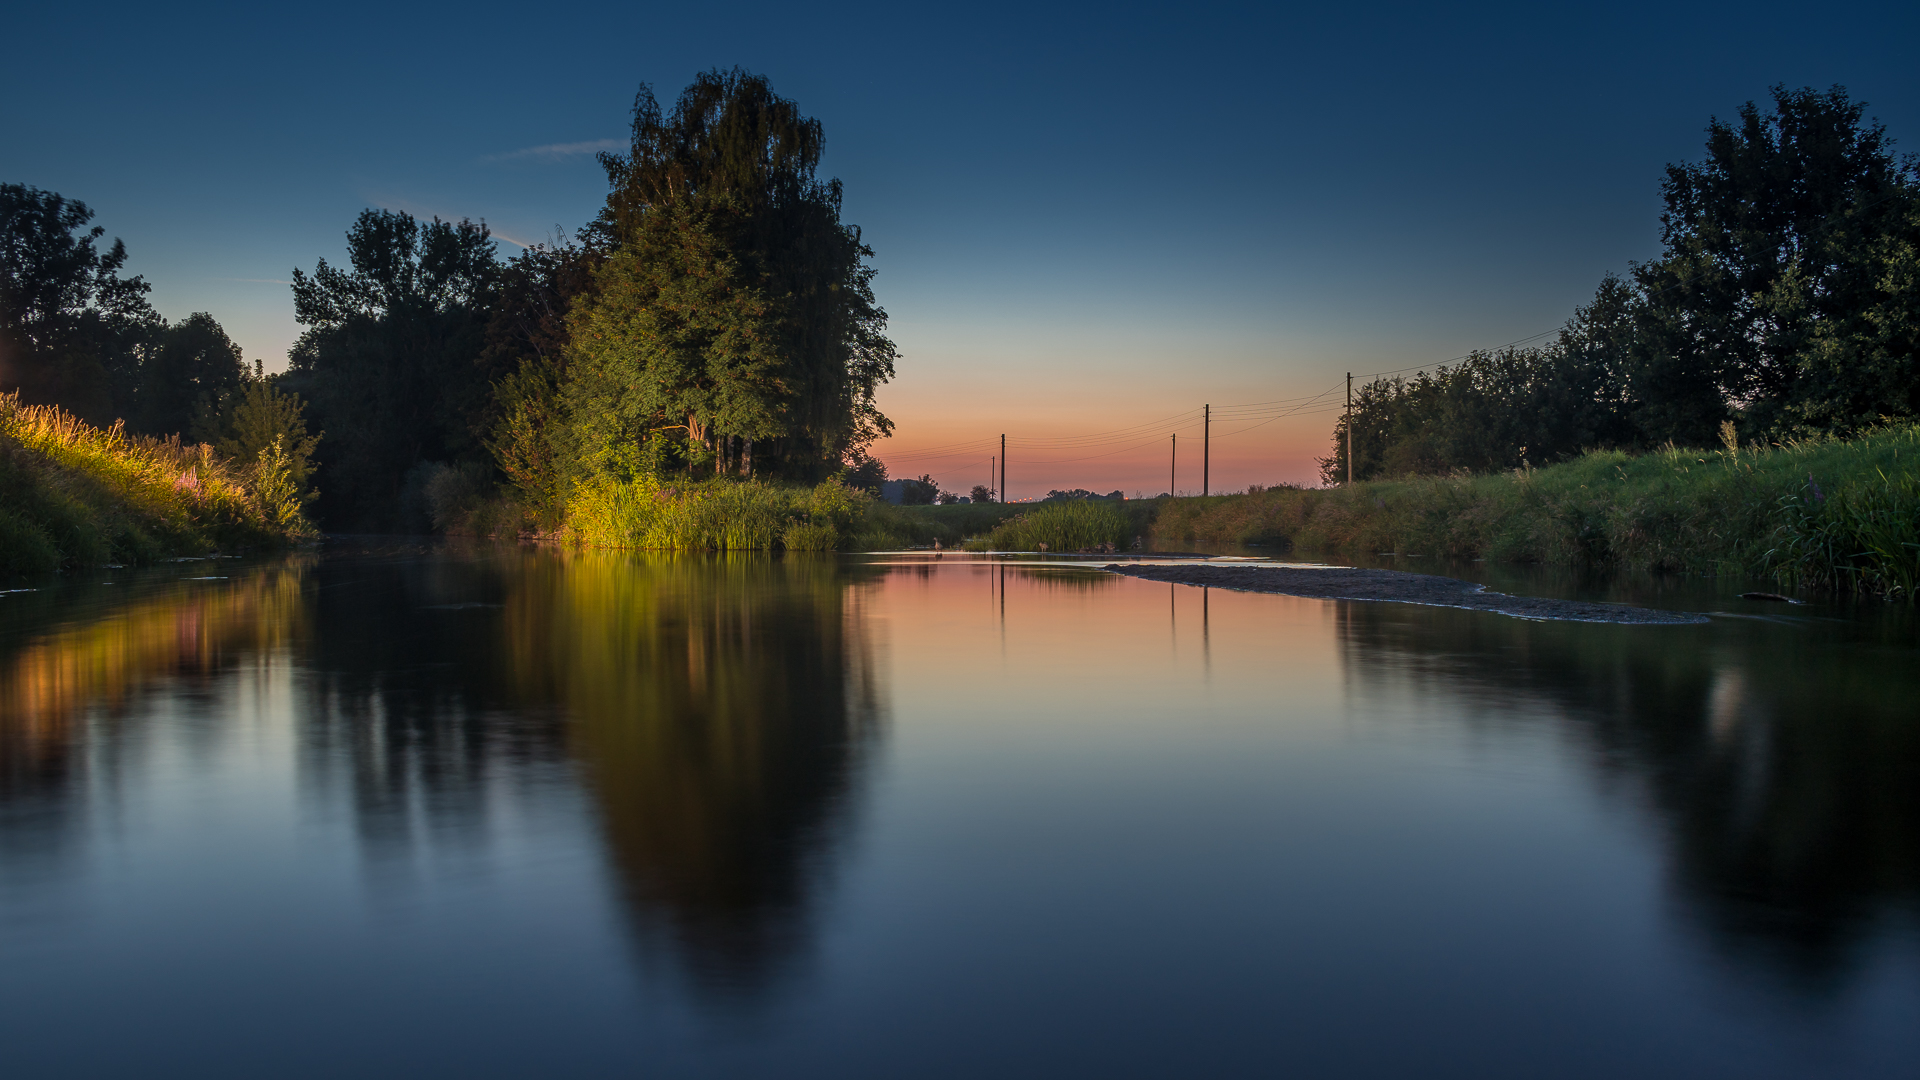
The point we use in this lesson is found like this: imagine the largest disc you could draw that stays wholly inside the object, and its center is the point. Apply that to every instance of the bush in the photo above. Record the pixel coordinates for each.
(806, 536)
(453, 492)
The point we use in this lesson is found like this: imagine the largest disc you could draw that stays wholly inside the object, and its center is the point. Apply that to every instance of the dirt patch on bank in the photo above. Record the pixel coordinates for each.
(1394, 586)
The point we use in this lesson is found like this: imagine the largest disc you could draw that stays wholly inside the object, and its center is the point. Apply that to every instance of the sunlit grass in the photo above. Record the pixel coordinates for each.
(72, 494)
(712, 515)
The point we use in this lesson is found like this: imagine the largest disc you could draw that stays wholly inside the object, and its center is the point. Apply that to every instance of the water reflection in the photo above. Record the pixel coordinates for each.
(719, 710)
(67, 690)
(723, 708)
(1779, 766)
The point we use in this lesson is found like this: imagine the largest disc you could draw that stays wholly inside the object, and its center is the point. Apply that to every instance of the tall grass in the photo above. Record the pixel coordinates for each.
(713, 515)
(76, 495)
(1825, 513)
(1068, 525)
(1865, 537)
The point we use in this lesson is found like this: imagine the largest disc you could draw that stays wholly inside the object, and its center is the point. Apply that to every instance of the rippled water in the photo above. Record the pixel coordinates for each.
(394, 810)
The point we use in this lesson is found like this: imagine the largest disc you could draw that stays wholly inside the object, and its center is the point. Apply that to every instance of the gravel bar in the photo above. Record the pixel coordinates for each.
(1394, 586)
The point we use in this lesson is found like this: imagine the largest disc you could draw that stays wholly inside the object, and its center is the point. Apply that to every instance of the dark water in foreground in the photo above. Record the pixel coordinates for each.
(501, 812)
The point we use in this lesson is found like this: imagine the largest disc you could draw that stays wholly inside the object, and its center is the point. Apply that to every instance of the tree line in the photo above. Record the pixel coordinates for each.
(1785, 303)
(76, 333)
(716, 319)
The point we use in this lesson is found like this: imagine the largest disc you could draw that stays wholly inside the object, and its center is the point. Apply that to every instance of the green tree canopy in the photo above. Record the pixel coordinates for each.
(185, 364)
(734, 305)
(527, 340)
(248, 420)
(391, 357)
(1778, 291)
(1786, 299)
(70, 326)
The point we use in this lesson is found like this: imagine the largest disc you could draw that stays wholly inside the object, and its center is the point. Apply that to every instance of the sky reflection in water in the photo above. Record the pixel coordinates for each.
(493, 811)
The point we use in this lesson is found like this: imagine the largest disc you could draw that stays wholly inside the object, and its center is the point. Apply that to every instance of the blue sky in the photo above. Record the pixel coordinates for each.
(1087, 218)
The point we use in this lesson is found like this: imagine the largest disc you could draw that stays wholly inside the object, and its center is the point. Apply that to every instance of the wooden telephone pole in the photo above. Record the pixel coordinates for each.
(1004, 497)
(1349, 427)
(1173, 464)
(1206, 449)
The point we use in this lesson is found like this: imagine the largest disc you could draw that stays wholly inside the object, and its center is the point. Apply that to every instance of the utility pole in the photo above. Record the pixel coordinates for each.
(1349, 427)
(1004, 497)
(992, 477)
(1173, 465)
(1206, 449)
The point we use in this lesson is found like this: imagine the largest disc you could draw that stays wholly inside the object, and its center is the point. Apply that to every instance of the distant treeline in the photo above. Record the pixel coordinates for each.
(1785, 303)
(715, 321)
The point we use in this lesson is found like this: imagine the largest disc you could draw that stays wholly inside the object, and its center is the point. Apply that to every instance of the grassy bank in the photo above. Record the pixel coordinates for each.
(1071, 525)
(1816, 514)
(717, 515)
(750, 515)
(73, 495)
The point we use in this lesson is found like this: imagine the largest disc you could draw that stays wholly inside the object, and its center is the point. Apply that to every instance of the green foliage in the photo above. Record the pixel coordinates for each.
(279, 490)
(1864, 537)
(186, 368)
(1746, 510)
(1787, 298)
(388, 359)
(71, 328)
(719, 515)
(25, 547)
(255, 420)
(1775, 282)
(919, 492)
(677, 333)
(1066, 525)
(733, 304)
(864, 471)
(1495, 410)
(806, 536)
(453, 492)
(527, 338)
(76, 495)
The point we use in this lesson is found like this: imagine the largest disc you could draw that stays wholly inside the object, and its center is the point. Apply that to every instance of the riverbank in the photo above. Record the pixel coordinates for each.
(1821, 514)
(73, 495)
(1395, 586)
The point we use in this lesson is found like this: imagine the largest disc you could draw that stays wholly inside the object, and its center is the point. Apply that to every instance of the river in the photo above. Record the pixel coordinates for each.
(394, 808)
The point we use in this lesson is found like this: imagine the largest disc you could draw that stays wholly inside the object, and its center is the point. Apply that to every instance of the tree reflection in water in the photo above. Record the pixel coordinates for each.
(1780, 766)
(719, 709)
(74, 664)
(723, 709)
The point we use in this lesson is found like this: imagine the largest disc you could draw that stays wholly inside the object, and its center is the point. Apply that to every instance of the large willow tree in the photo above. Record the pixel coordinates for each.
(734, 309)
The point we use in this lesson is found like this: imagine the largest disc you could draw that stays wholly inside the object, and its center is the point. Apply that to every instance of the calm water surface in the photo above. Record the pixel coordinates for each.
(393, 810)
